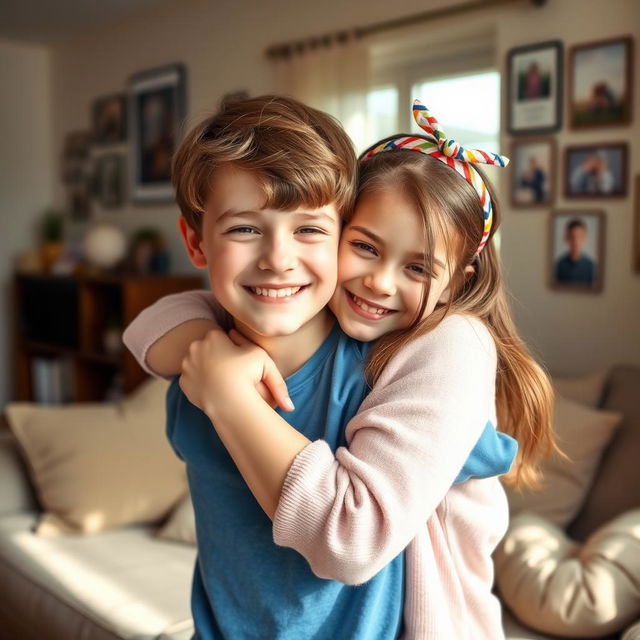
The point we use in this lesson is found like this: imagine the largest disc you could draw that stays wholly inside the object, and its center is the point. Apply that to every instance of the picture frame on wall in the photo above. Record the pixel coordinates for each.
(157, 110)
(636, 226)
(596, 171)
(534, 88)
(601, 83)
(109, 180)
(110, 119)
(533, 170)
(576, 251)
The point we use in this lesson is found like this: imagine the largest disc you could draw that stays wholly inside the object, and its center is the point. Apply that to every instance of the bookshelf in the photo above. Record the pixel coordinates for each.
(67, 330)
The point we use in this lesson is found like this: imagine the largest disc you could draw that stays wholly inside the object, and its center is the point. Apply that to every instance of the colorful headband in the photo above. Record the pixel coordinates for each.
(436, 144)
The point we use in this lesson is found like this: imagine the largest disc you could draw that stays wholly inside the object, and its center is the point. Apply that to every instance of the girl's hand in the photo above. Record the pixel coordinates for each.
(217, 373)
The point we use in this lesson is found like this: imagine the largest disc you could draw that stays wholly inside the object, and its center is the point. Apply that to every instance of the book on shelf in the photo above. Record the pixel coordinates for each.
(52, 380)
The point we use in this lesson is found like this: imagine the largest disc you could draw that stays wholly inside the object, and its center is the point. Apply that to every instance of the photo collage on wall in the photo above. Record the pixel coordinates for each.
(127, 154)
(598, 90)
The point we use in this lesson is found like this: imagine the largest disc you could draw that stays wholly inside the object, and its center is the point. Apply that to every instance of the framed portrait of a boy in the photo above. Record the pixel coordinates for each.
(576, 251)
(600, 83)
(596, 170)
(533, 170)
(534, 88)
(156, 113)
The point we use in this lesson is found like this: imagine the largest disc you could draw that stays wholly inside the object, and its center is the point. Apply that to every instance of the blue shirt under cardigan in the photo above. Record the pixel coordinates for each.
(245, 586)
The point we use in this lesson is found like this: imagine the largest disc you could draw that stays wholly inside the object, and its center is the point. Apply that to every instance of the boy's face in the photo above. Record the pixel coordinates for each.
(272, 270)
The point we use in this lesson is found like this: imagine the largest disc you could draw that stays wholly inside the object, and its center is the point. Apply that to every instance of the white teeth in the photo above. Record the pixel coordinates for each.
(276, 293)
(366, 307)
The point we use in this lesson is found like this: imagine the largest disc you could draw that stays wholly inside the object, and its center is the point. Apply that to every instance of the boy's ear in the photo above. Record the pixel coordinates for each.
(192, 244)
(446, 294)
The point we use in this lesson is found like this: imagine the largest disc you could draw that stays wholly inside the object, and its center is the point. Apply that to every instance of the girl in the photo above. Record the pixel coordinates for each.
(417, 269)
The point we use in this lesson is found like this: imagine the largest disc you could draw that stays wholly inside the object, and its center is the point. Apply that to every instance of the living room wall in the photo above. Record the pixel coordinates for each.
(26, 168)
(222, 45)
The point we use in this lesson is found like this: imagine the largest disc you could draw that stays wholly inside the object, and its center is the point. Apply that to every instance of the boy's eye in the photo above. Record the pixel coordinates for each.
(310, 230)
(247, 230)
(363, 246)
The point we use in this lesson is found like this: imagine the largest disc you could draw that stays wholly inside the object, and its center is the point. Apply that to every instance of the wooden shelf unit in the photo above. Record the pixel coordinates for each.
(66, 317)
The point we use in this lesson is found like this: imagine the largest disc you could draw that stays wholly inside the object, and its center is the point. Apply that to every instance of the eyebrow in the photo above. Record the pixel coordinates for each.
(379, 240)
(230, 213)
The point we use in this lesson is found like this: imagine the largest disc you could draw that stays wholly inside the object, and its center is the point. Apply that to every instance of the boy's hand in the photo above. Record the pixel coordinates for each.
(217, 373)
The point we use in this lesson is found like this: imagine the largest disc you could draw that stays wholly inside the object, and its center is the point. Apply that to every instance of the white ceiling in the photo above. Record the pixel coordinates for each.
(48, 21)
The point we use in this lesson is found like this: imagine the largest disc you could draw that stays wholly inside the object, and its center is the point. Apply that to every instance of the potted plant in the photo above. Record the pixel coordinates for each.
(52, 237)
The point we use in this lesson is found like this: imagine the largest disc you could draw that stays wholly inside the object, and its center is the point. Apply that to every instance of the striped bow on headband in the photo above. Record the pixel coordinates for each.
(435, 143)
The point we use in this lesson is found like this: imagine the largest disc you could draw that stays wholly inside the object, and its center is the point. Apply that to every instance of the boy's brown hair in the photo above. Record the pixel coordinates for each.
(302, 156)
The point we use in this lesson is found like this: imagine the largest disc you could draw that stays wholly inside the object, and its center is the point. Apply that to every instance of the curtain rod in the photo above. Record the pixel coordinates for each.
(287, 49)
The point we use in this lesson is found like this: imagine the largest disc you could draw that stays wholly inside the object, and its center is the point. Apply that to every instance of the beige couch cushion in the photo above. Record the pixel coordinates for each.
(582, 433)
(618, 478)
(586, 389)
(181, 524)
(566, 588)
(97, 466)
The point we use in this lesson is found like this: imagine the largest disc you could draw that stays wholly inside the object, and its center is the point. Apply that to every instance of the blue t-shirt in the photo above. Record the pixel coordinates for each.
(244, 585)
(580, 271)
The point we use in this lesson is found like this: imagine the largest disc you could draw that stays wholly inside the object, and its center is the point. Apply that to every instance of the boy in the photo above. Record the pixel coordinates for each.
(261, 187)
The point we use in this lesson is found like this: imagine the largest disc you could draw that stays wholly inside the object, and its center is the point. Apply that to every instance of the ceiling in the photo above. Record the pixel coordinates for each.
(49, 21)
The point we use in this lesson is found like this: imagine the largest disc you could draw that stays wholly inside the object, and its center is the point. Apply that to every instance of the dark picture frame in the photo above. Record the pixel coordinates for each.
(109, 180)
(587, 238)
(157, 108)
(596, 170)
(601, 83)
(533, 172)
(534, 88)
(636, 226)
(110, 119)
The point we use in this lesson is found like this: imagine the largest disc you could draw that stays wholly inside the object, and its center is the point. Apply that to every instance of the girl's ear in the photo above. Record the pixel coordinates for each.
(192, 244)
(446, 294)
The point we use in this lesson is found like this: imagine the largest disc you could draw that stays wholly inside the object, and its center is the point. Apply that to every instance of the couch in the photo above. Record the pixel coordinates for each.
(110, 581)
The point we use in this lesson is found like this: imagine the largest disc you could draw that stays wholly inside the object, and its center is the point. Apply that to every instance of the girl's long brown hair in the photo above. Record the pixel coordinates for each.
(450, 209)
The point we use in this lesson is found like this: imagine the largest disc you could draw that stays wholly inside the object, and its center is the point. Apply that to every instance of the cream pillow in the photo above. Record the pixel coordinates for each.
(97, 466)
(585, 389)
(582, 434)
(181, 525)
(565, 588)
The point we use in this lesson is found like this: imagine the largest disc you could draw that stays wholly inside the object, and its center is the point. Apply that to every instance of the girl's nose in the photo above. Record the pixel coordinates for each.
(381, 282)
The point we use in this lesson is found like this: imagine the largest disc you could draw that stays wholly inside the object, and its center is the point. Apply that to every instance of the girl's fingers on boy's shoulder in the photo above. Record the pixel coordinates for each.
(274, 381)
(237, 338)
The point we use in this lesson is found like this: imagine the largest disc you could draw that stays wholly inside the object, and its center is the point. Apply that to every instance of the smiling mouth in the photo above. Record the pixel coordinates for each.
(368, 311)
(281, 294)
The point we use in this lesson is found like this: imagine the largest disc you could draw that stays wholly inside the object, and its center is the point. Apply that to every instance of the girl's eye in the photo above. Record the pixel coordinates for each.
(418, 269)
(363, 246)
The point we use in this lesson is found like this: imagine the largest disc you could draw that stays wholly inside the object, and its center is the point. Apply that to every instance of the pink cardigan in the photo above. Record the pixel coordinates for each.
(392, 488)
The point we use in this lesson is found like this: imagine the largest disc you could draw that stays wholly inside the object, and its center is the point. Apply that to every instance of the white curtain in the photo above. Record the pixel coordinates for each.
(332, 78)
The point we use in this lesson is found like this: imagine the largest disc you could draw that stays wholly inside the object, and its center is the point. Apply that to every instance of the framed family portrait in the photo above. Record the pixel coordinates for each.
(156, 113)
(576, 251)
(534, 88)
(596, 171)
(533, 169)
(600, 87)
(110, 119)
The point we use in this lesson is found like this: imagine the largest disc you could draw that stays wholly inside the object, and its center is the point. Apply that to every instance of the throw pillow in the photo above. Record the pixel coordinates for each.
(617, 488)
(587, 389)
(181, 525)
(582, 434)
(564, 588)
(97, 466)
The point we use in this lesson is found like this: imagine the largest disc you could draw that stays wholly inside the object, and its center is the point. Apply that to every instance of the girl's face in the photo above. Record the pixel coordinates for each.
(383, 270)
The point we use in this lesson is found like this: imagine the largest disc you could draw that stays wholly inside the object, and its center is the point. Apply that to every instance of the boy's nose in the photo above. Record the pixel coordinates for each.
(278, 256)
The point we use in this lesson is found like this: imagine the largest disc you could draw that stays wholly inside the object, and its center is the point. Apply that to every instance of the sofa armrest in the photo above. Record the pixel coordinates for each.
(16, 491)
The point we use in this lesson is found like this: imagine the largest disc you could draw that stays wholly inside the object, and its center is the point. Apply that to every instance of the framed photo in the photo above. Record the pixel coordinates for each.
(576, 250)
(110, 119)
(533, 170)
(79, 197)
(156, 113)
(534, 88)
(109, 180)
(636, 227)
(600, 92)
(596, 171)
